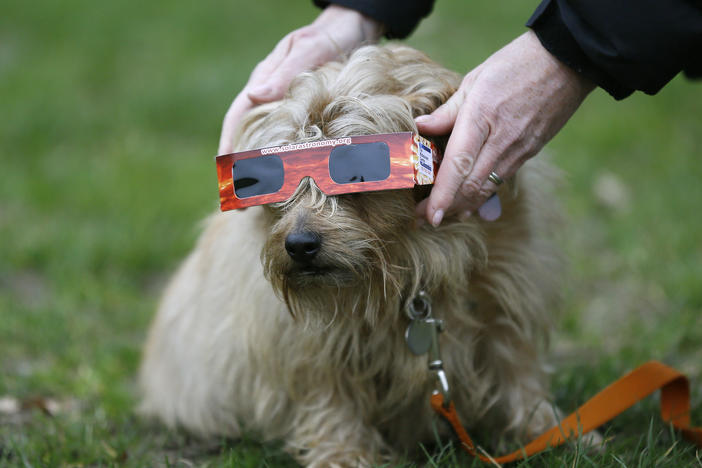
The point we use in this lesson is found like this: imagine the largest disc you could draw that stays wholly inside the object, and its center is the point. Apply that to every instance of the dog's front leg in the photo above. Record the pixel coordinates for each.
(333, 436)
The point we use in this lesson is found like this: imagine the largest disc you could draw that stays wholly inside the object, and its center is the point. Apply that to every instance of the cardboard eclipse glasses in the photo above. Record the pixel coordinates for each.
(345, 165)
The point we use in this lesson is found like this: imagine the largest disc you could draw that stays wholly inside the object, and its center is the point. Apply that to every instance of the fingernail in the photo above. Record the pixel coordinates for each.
(422, 119)
(438, 216)
(491, 209)
(466, 214)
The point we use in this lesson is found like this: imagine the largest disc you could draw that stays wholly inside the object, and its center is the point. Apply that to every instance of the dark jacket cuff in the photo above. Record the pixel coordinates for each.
(399, 17)
(553, 34)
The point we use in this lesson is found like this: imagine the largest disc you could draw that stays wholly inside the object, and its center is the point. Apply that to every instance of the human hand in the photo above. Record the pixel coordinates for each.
(337, 30)
(503, 113)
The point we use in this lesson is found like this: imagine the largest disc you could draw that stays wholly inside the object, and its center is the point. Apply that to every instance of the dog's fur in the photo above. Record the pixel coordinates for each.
(244, 339)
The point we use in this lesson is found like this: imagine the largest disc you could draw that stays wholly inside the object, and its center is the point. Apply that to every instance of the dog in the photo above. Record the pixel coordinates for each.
(248, 339)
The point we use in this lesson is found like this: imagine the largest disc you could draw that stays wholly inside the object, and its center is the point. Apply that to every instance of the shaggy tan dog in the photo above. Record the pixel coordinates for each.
(313, 353)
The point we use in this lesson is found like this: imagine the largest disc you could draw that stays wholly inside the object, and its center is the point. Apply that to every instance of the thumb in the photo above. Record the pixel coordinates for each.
(442, 120)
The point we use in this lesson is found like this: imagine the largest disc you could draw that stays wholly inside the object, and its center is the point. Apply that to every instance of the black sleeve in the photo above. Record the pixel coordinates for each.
(623, 45)
(400, 17)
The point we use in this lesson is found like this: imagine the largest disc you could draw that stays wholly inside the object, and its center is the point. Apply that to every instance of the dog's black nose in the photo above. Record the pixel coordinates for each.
(303, 246)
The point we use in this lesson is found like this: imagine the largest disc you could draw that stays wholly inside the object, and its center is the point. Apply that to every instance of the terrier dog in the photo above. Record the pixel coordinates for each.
(312, 351)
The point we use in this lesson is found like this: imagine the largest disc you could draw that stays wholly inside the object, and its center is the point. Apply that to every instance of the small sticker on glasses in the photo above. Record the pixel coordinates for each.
(424, 164)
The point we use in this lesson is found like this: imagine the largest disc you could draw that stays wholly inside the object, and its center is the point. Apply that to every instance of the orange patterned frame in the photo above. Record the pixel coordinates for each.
(410, 164)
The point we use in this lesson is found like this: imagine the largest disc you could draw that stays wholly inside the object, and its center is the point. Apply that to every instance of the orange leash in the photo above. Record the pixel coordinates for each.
(610, 402)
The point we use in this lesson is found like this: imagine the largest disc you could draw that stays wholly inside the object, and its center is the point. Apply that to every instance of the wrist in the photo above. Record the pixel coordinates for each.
(579, 82)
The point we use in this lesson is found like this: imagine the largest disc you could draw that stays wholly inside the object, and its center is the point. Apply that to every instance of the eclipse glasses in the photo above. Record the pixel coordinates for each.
(354, 164)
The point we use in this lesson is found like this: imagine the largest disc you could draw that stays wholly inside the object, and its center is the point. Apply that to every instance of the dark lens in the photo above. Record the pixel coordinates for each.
(257, 176)
(364, 162)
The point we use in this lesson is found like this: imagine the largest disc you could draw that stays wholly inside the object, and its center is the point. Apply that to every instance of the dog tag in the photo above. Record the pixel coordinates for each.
(419, 336)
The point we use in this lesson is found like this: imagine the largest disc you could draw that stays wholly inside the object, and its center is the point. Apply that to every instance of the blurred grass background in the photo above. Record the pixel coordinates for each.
(110, 117)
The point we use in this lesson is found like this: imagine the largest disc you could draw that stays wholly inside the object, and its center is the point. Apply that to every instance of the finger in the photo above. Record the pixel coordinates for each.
(442, 120)
(268, 65)
(306, 52)
(491, 209)
(465, 143)
(277, 84)
(262, 86)
(487, 203)
(477, 188)
(256, 91)
(241, 105)
(420, 209)
(272, 90)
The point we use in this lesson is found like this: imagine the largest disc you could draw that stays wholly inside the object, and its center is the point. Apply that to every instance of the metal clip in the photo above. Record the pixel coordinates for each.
(419, 307)
(436, 364)
(422, 336)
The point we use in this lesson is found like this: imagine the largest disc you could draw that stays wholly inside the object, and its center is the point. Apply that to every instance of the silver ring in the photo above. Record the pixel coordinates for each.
(495, 179)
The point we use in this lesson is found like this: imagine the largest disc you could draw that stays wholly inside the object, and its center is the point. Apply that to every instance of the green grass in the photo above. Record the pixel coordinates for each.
(110, 118)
